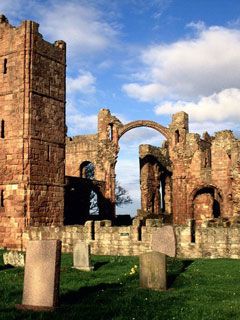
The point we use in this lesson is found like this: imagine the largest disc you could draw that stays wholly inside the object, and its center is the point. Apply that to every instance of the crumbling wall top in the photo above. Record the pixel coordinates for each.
(32, 27)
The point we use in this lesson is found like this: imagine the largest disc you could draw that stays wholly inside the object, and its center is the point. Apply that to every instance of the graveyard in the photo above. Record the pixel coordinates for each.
(200, 289)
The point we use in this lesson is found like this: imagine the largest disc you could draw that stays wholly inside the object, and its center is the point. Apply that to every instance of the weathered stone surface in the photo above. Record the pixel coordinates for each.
(13, 258)
(153, 271)
(188, 181)
(81, 256)
(164, 241)
(41, 275)
(32, 131)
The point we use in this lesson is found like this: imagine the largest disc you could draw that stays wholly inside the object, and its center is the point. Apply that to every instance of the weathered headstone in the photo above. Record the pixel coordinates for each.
(164, 241)
(81, 256)
(41, 276)
(13, 258)
(153, 274)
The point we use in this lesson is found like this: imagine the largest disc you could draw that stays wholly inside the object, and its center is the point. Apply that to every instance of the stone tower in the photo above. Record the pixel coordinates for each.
(32, 130)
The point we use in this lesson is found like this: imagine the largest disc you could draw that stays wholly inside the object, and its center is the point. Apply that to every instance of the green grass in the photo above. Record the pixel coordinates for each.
(200, 289)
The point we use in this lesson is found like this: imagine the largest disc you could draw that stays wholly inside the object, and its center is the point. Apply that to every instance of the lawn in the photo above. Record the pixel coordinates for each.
(199, 289)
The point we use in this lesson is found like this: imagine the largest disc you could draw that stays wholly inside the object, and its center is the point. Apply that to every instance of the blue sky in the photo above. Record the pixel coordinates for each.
(144, 59)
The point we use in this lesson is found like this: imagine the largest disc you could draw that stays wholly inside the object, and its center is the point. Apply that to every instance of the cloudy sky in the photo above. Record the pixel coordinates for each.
(144, 59)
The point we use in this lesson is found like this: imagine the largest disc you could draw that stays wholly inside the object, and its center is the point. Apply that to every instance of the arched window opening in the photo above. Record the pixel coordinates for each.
(5, 66)
(2, 199)
(2, 129)
(177, 136)
(86, 170)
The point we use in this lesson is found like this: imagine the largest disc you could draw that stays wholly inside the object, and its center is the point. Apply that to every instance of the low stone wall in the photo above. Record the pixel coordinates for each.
(210, 241)
(104, 238)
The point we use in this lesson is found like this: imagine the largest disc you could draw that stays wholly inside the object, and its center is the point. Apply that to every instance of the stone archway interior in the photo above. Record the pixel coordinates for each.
(207, 204)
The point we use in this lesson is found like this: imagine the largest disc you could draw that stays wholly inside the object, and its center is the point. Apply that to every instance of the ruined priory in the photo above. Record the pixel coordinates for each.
(191, 182)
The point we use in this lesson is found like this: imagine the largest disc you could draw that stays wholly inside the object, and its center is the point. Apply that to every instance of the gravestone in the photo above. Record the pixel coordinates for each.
(81, 256)
(164, 241)
(13, 258)
(41, 276)
(153, 274)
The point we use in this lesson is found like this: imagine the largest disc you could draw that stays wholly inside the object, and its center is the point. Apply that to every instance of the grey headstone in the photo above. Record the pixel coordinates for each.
(41, 276)
(153, 271)
(164, 241)
(81, 256)
(13, 258)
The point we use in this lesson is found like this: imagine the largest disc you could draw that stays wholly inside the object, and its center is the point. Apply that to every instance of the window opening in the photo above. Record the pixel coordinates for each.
(5, 66)
(111, 132)
(2, 199)
(2, 129)
(177, 136)
(193, 231)
(48, 153)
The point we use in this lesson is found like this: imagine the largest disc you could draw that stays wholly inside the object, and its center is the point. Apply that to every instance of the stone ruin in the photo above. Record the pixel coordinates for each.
(191, 182)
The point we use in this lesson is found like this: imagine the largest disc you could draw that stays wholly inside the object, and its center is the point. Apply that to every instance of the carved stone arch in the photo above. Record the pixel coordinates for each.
(144, 123)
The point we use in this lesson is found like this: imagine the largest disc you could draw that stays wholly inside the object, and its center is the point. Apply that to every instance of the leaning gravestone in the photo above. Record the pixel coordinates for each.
(153, 268)
(153, 273)
(81, 256)
(41, 275)
(164, 241)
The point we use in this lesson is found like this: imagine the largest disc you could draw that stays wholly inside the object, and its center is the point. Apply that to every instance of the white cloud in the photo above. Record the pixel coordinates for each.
(145, 93)
(83, 83)
(78, 122)
(211, 127)
(199, 66)
(218, 107)
(81, 26)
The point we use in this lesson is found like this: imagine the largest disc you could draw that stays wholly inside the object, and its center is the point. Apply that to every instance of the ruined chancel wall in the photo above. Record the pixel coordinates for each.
(189, 178)
(204, 174)
(32, 119)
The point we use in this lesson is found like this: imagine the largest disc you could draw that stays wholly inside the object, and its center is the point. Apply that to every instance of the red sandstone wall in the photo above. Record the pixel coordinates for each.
(47, 131)
(32, 106)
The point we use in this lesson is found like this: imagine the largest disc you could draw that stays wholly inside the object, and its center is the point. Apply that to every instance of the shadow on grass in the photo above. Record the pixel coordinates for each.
(6, 267)
(98, 265)
(172, 277)
(77, 296)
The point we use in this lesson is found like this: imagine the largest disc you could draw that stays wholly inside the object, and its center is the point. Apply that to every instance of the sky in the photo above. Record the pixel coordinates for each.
(143, 60)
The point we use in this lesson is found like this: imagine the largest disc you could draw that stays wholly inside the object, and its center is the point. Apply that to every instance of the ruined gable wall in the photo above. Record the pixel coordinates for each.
(78, 150)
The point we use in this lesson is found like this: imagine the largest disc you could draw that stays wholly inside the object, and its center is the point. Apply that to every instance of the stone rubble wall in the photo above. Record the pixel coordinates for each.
(211, 241)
